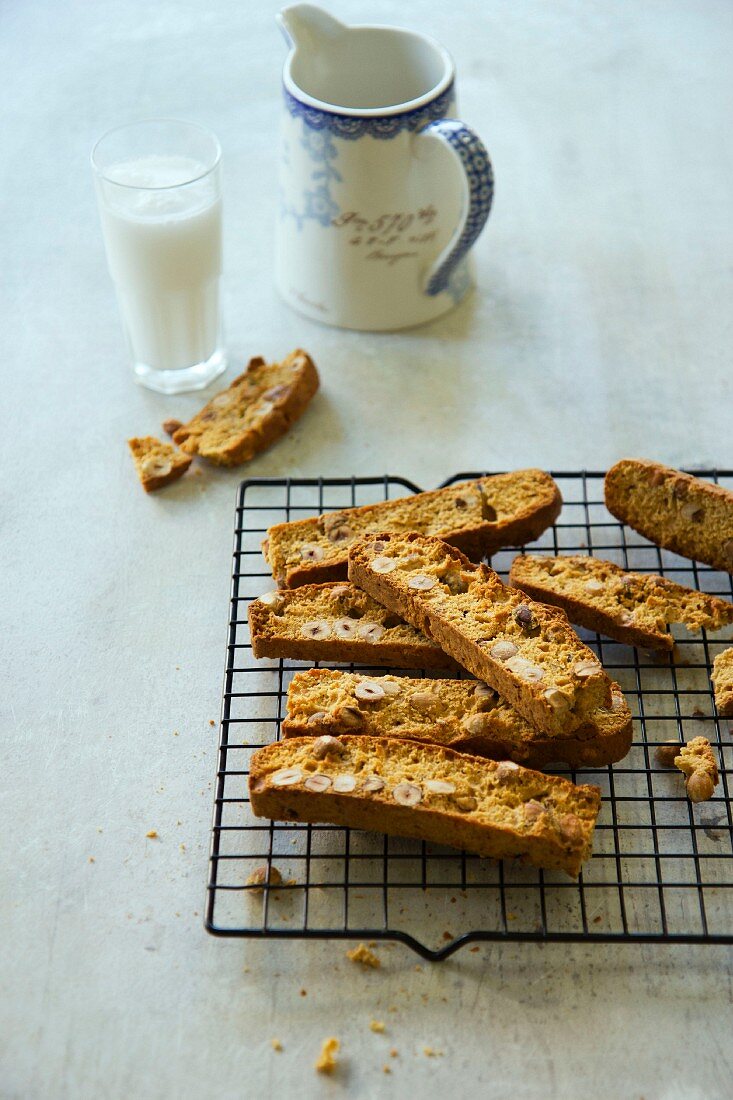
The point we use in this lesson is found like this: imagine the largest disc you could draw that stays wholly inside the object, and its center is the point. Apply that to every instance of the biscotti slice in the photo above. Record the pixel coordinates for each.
(477, 516)
(466, 715)
(430, 793)
(697, 762)
(258, 408)
(723, 681)
(337, 622)
(630, 607)
(157, 463)
(523, 649)
(684, 514)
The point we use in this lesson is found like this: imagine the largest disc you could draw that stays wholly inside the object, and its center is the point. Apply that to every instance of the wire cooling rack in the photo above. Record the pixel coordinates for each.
(662, 868)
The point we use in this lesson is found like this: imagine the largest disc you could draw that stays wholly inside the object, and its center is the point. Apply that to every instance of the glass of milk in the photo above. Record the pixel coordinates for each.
(159, 190)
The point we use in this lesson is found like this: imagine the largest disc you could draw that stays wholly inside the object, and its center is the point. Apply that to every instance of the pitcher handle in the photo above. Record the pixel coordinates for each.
(478, 176)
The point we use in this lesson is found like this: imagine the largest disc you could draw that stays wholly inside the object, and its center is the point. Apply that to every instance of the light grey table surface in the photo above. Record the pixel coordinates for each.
(602, 327)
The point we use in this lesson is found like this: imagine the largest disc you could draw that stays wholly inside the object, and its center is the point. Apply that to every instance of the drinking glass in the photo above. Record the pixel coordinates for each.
(158, 185)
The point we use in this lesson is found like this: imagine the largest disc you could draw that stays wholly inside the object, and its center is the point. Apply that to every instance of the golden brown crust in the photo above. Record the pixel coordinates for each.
(523, 649)
(157, 463)
(337, 622)
(257, 409)
(722, 679)
(631, 607)
(684, 514)
(464, 715)
(478, 517)
(402, 788)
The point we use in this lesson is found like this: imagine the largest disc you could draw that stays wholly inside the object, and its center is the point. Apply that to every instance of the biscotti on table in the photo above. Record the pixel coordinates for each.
(256, 410)
(157, 463)
(521, 648)
(465, 715)
(478, 516)
(630, 607)
(337, 622)
(402, 788)
(684, 514)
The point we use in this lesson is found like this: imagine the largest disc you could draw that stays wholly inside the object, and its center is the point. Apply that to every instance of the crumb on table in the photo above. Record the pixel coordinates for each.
(327, 1058)
(376, 1025)
(276, 1044)
(362, 954)
(152, 834)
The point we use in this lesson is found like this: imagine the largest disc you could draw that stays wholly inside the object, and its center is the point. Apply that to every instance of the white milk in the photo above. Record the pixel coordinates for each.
(164, 255)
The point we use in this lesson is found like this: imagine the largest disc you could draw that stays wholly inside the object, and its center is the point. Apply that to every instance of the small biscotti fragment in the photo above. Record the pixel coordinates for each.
(430, 793)
(466, 715)
(157, 463)
(327, 1061)
(697, 761)
(337, 622)
(684, 514)
(722, 678)
(257, 409)
(630, 607)
(522, 649)
(479, 517)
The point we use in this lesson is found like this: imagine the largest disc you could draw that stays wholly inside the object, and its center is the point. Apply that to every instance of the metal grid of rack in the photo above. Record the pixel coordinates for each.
(661, 870)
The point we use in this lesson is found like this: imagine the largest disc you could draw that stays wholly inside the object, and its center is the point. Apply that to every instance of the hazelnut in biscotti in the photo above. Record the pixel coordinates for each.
(157, 463)
(722, 679)
(257, 409)
(523, 649)
(402, 788)
(631, 607)
(696, 761)
(684, 514)
(466, 715)
(337, 622)
(478, 516)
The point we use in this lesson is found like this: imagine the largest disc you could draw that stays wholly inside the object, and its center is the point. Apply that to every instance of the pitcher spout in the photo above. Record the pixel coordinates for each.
(308, 27)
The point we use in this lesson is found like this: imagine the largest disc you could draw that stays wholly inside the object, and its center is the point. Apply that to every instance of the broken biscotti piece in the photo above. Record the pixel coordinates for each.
(522, 649)
(679, 512)
(157, 463)
(722, 678)
(477, 516)
(465, 715)
(697, 761)
(427, 792)
(630, 607)
(337, 622)
(258, 408)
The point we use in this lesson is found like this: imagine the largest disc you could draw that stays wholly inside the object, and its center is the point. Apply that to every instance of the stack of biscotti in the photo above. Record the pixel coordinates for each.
(417, 724)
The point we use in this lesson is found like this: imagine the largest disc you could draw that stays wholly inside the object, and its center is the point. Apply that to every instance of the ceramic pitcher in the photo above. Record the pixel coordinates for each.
(382, 190)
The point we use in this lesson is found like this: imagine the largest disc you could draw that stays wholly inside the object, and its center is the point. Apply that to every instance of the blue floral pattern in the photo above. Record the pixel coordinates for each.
(319, 205)
(475, 160)
(382, 127)
(318, 202)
